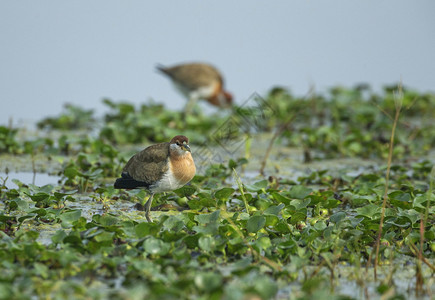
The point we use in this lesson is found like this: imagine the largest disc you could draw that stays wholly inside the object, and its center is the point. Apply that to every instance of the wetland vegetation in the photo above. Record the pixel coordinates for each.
(328, 196)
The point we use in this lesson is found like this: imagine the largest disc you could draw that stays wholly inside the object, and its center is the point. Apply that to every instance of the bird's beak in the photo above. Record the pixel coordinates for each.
(186, 147)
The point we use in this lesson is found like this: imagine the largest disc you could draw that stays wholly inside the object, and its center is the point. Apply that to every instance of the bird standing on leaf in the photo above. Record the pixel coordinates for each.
(159, 168)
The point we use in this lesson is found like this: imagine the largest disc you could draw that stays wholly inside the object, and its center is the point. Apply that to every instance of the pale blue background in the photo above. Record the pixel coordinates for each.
(53, 52)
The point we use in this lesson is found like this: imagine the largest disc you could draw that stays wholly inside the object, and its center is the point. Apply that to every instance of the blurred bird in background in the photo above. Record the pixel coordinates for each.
(198, 81)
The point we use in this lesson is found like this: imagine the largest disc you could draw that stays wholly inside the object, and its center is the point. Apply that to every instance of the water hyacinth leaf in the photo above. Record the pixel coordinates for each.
(274, 209)
(195, 204)
(71, 172)
(208, 281)
(173, 223)
(40, 212)
(208, 218)
(320, 225)
(299, 192)
(369, 211)
(41, 270)
(255, 223)
(297, 217)
(280, 198)
(300, 204)
(108, 220)
(185, 191)
(58, 237)
(38, 197)
(257, 186)
(25, 217)
(59, 196)
(263, 243)
(271, 220)
(4, 218)
(413, 215)
(209, 228)
(205, 200)
(207, 243)
(244, 216)
(224, 193)
(337, 217)
(266, 287)
(72, 239)
(12, 205)
(12, 194)
(156, 246)
(421, 200)
(400, 199)
(143, 229)
(104, 236)
(67, 218)
(403, 222)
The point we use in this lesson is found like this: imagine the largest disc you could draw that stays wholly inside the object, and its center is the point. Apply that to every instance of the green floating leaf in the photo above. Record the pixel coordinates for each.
(300, 204)
(4, 218)
(207, 243)
(208, 218)
(266, 287)
(337, 217)
(208, 281)
(368, 211)
(72, 239)
(298, 216)
(69, 217)
(280, 198)
(209, 228)
(174, 224)
(58, 237)
(41, 269)
(39, 196)
(185, 191)
(108, 220)
(156, 246)
(224, 193)
(257, 186)
(59, 196)
(104, 236)
(263, 243)
(71, 172)
(274, 209)
(143, 229)
(255, 223)
(299, 191)
(400, 199)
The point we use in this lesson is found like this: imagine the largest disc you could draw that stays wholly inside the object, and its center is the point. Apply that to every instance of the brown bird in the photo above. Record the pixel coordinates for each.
(159, 168)
(199, 81)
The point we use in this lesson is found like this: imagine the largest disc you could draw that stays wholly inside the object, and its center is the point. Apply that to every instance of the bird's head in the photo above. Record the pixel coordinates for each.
(228, 99)
(180, 144)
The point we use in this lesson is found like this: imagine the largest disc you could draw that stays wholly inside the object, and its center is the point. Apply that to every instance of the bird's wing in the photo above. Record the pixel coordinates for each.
(150, 164)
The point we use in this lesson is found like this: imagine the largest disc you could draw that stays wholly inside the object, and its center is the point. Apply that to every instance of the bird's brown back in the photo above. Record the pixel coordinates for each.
(193, 75)
(150, 164)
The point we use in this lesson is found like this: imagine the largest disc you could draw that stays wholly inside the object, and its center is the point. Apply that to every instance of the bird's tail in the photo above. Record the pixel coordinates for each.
(162, 68)
(127, 182)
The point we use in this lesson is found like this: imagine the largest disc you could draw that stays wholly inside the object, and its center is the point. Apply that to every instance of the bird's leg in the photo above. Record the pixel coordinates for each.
(148, 207)
(188, 109)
